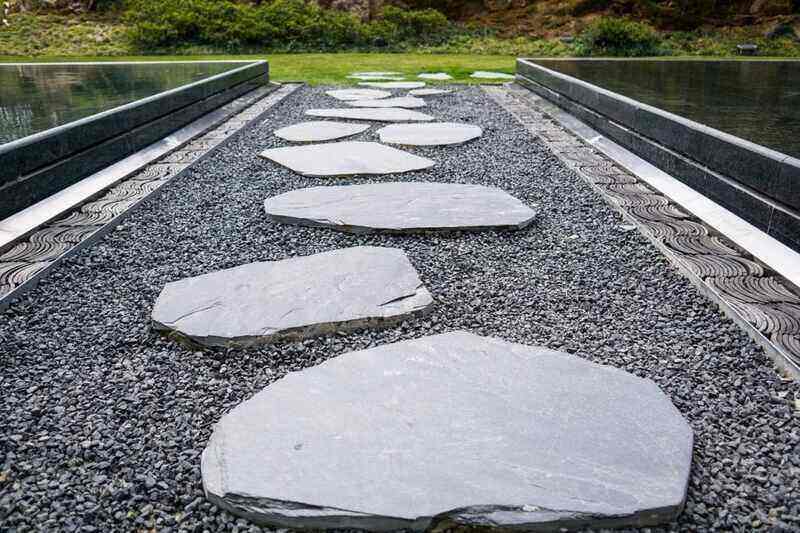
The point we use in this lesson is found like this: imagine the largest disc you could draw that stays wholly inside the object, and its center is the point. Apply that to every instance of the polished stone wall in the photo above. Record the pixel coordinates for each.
(758, 184)
(37, 166)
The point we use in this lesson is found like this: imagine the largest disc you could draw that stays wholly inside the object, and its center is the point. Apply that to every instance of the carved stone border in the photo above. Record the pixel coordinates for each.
(757, 299)
(31, 258)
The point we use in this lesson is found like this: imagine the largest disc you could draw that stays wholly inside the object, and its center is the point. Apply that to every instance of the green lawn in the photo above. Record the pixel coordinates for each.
(318, 69)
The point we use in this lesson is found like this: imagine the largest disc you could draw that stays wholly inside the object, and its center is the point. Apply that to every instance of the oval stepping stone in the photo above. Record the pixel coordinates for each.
(376, 78)
(377, 73)
(431, 134)
(400, 208)
(398, 101)
(358, 94)
(486, 75)
(394, 84)
(346, 158)
(429, 92)
(294, 298)
(441, 76)
(450, 431)
(320, 130)
(389, 114)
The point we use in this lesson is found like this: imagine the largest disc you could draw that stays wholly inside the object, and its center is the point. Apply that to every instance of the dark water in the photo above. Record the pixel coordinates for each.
(755, 100)
(34, 98)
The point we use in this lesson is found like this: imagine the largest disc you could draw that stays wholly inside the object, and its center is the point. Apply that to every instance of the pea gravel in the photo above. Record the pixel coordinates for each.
(103, 420)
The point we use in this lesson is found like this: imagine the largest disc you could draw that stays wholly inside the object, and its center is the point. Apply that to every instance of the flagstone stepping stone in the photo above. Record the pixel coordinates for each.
(430, 134)
(429, 92)
(319, 130)
(358, 94)
(400, 208)
(346, 159)
(435, 76)
(388, 114)
(398, 101)
(451, 431)
(483, 74)
(295, 298)
(394, 84)
(377, 73)
(377, 78)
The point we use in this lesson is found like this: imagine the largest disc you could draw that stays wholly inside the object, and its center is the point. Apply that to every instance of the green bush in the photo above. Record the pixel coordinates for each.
(279, 25)
(619, 37)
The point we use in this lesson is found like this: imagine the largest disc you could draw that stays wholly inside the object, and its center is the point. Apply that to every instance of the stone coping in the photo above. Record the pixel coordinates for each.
(755, 182)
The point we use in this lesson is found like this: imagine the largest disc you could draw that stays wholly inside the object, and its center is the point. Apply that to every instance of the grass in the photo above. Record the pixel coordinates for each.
(331, 69)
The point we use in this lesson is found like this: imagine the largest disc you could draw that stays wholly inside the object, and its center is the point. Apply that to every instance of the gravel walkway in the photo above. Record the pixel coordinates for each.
(103, 421)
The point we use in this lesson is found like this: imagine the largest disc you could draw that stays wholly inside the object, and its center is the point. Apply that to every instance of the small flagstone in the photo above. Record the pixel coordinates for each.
(429, 134)
(377, 78)
(452, 432)
(441, 76)
(320, 130)
(388, 114)
(346, 159)
(358, 94)
(429, 92)
(401, 208)
(483, 74)
(393, 84)
(398, 101)
(377, 73)
(295, 298)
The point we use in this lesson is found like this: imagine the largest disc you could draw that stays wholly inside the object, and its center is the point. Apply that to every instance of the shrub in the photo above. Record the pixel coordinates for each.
(619, 37)
(294, 25)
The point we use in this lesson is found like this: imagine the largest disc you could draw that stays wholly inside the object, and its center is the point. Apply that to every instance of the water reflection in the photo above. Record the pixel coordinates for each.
(34, 98)
(755, 100)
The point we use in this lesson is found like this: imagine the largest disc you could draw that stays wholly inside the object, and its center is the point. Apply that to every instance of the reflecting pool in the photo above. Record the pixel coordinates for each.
(755, 100)
(34, 97)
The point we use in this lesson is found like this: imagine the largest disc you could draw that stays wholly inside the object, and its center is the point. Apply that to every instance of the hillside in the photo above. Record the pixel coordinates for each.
(510, 27)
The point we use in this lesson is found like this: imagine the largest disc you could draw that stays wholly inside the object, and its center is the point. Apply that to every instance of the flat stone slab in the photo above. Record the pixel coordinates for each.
(393, 84)
(358, 94)
(319, 130)
(377, 73)
(431, 134)
(487, 75)
(389, 114)
(376, 78)
(345, 159)
(440, 76)
(401, 208)
(452, 430)
(429, 92)
(397, 101)
(294, 298)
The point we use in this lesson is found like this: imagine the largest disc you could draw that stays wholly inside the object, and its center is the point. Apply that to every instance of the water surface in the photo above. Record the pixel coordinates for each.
(755, 100)
(34, 98)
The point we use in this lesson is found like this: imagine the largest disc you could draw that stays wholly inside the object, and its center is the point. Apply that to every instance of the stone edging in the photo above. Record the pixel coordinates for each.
(762, 303)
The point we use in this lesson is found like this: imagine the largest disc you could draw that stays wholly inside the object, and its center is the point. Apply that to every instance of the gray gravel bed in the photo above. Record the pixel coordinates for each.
(103, 420)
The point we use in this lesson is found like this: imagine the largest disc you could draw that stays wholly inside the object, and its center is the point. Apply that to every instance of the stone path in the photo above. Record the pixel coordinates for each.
(401, 208)
(486, 75)
(294, 298)
(452, 430)
(436, 76)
